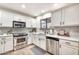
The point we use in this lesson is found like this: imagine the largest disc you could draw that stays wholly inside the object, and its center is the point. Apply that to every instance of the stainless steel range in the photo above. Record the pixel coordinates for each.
(20, 40)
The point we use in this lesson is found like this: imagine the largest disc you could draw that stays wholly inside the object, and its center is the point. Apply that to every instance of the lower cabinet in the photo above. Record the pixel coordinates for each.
(68, 47)
(36, 40)
(40, 41)
(68, 50)
(30, 38)
(6, 44)
(1, 46)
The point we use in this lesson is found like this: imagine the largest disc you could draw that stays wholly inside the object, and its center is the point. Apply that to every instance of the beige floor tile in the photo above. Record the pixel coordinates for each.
(30, 50)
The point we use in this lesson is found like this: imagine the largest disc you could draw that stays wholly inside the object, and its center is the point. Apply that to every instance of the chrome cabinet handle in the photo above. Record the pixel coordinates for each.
(63, 22)
(59, 46)
(68, 43)
(4, 42)
(60, 23)
(0, 24)
(39, 39)
(1, 43)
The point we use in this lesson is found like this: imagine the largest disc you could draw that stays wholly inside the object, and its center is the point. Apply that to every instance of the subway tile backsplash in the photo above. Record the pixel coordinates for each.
(73, 31)
(14, 30)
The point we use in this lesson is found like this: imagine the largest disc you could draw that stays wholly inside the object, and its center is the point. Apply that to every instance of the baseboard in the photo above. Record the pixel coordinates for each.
(6, 52)
(50, 53)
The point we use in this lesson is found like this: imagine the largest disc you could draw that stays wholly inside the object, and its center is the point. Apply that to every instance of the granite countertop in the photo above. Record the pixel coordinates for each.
(64, 37)
(6, 35)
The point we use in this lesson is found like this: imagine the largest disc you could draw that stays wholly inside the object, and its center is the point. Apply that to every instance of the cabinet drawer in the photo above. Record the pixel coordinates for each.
(66, 42)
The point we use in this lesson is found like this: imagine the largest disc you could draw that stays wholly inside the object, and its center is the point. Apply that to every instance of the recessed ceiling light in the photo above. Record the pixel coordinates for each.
(23, 6)
(55, 4)
(42, 11)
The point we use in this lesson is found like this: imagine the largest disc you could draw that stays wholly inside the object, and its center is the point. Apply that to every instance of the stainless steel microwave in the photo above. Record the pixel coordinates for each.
(19, 24)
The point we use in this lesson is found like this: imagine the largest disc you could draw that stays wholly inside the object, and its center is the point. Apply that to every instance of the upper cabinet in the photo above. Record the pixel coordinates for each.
(56, 18)
(68, 16)
(71, 15)
(30, 22)
(18, 17)
(6, 19)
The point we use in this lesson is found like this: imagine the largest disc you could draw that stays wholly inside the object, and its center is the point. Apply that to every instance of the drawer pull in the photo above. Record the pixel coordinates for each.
(68, 43)
(1, 43)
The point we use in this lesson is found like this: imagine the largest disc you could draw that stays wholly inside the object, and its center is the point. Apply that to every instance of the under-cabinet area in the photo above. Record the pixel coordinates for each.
(29, 32)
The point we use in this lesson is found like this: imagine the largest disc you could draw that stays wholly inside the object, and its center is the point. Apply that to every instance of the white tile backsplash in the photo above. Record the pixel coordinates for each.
(14, 30)
(73, 31)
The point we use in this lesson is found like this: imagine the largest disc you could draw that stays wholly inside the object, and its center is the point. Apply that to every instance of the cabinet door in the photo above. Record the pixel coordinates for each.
(37, 40)
(72, 15)
(33, 21)
(30, 38)
(56, 18)
(28, 23)
(1, 46)
(38, 22)
(17, 17)
(22, 18)
(8, 43)
(0, 18)
(6, 19)
(43, 44)
(34, 40)
(68, 50)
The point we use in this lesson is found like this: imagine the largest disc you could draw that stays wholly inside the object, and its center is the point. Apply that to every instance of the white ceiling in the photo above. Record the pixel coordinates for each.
(33, 9)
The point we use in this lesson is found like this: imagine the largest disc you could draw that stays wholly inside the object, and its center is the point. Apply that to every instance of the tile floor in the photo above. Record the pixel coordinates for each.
(29, 50)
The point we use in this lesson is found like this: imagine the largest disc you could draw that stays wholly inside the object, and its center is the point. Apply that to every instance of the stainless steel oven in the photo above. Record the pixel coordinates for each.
(20, 41)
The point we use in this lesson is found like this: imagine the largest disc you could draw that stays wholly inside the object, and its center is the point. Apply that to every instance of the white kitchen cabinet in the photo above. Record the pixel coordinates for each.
(38, 22)
(6, 19)
(30, 38)
(68, 50)
(23, 19)
(56, 18)
(42, 43)
(8, 44)
(0, 18)
(68, 16)
(68, 47)
(1, 46)
(36, 40)
(34, 23)
(31, 23)
(28, 23)
(71, 16)
(18, 17)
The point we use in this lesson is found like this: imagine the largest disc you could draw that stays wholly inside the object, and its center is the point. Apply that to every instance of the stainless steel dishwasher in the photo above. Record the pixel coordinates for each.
(52, 45)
